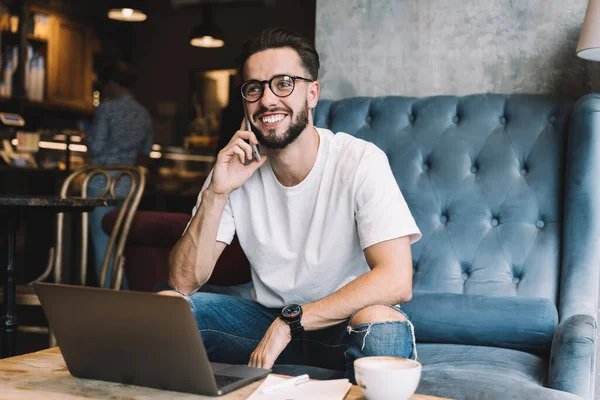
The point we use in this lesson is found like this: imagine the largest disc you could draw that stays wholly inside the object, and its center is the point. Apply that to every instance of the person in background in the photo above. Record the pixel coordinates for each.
(232, 113)
(121, 133)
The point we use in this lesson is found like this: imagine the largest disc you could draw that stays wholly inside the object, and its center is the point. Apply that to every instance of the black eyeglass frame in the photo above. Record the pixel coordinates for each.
(270, 82)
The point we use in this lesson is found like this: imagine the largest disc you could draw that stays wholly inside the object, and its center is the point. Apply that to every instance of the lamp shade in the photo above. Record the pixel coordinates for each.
(126, 10)
(203, 36)
(207, 34)
(588, 47)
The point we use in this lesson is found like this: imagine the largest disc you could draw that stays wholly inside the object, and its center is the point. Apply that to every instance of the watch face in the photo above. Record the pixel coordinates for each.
(292, 311)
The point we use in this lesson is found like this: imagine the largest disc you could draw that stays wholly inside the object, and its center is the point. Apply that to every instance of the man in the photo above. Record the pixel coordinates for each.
(121, 133)
(321, 220)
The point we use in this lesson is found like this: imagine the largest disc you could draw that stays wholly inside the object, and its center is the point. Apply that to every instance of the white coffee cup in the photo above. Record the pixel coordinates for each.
(387, 378)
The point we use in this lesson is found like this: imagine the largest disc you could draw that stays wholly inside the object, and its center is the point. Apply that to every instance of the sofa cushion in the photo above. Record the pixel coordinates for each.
(522, 323)
(468, 372)
(478, 372)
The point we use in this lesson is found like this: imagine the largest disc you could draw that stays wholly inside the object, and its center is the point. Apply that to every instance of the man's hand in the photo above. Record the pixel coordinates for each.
(230, 173)
(171, 293)
(272, 344)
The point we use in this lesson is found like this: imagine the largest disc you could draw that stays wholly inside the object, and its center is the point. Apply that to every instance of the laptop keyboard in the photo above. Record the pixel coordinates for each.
(224, 380)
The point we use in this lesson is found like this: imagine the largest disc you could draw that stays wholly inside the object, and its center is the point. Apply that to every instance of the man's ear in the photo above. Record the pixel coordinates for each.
(314, 91)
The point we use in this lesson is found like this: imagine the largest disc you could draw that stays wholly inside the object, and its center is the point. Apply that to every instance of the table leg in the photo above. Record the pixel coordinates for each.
(9, 324)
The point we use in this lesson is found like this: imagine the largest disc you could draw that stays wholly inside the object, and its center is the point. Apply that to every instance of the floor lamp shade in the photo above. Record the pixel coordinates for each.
(588, 47)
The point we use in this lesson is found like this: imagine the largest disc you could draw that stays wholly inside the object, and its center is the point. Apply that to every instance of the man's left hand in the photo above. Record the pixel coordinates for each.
(272, 344)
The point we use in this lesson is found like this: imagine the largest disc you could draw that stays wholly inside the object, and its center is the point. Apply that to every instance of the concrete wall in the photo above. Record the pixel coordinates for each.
(428, 47)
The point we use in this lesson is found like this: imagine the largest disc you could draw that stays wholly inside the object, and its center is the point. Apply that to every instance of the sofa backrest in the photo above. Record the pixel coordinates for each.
(483, 176)
(151, 237)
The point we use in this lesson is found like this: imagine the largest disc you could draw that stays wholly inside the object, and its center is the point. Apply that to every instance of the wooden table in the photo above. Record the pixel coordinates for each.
(44, 375)
(11, 210)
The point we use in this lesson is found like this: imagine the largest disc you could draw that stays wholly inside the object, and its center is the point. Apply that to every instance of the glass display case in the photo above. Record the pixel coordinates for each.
(181, 170)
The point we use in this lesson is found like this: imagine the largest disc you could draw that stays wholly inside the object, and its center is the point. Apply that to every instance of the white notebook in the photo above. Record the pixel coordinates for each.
(314, 390)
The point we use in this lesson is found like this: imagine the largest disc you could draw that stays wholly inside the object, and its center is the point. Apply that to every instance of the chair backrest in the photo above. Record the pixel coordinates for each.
(76, 185)
(484, 178)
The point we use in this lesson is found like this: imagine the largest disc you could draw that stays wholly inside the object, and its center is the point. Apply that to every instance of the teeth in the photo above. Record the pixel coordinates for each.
(272, 119)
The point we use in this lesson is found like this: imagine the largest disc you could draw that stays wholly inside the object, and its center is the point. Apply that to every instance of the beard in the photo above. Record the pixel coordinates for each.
(272, 141)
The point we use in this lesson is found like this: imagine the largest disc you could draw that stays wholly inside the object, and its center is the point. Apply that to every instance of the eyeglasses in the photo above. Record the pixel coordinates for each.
(281, 86)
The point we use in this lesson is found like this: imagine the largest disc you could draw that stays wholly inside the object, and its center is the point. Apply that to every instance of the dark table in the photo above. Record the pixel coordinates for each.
(12, 208)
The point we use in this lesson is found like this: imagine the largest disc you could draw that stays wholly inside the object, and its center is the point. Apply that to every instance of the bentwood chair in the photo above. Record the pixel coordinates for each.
(76, 185)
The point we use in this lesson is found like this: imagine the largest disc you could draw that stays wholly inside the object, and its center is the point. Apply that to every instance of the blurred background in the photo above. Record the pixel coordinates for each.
(179, 61)
(186, 81)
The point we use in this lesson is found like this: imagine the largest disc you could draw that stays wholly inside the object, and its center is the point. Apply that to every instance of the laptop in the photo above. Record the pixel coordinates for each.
(136, 338)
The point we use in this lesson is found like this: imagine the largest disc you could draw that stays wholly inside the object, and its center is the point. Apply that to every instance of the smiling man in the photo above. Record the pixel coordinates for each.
(320, 218)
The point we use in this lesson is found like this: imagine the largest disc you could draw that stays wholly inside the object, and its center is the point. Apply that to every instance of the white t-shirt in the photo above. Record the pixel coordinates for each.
(305, 242)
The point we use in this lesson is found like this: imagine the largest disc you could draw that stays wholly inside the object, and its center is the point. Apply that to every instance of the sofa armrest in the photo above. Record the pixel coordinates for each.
(572, 356)
(580, 265)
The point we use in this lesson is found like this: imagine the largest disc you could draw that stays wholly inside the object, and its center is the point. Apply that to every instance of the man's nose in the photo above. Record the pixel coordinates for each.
(268, 98)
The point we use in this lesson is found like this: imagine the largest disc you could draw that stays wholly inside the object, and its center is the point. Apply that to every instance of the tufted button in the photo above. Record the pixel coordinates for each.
(455, 119)
(494, 222)
(516, 280)
(552, 119)
(523, 171)
(425, 166)
(443, 218)
(540, 224)
(369, 119)
(465, 276)
(411, 118)
(474, 169)
(503, 120)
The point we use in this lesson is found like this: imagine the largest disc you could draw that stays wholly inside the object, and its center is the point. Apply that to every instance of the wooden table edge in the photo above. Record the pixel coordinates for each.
(27, 361)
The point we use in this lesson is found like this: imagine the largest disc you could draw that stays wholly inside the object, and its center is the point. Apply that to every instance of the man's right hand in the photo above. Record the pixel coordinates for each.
(230, 173)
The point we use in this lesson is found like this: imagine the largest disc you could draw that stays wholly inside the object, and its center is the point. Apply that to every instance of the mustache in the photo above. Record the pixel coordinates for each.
(263, 110)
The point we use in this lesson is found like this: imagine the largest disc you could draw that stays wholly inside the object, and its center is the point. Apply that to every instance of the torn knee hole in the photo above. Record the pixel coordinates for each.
(366, 331)
(377, 313)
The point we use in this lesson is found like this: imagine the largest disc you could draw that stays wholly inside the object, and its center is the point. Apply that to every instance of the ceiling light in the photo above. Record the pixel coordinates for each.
(207, 34)
(127, 14)
(207, 41)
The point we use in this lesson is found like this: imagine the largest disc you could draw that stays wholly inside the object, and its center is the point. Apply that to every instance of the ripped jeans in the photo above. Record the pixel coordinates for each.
(232, 328)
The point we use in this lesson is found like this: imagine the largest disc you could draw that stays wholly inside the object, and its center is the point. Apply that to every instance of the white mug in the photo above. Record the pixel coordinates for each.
(387, 378)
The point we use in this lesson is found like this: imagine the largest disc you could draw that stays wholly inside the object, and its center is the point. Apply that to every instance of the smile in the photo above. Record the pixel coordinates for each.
(272, 119)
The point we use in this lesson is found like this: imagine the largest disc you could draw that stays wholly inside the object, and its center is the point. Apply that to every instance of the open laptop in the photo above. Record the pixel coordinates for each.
(136, 338)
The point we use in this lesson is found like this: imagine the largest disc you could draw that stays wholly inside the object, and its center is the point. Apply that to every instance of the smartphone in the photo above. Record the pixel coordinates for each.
(254, 147)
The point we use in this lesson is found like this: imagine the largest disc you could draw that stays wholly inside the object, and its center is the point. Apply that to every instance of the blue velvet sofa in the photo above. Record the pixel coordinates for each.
(506, 191)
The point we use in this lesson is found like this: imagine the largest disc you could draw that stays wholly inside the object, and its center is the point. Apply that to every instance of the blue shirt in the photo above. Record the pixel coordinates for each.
(120, 132)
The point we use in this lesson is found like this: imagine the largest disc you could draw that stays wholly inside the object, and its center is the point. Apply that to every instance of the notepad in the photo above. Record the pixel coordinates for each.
(314, 390)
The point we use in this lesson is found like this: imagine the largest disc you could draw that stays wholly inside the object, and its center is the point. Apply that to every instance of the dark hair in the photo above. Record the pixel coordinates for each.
(274, 38)
(117, 72)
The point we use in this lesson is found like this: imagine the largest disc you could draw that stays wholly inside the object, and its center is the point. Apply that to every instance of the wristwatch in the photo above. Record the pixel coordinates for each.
(292, 315)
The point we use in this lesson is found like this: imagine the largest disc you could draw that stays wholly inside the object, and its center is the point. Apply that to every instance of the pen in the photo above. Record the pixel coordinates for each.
(287, 384)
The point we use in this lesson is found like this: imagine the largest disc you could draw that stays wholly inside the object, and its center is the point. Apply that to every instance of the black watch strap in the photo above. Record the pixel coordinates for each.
(297, 330)
(299, 333)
